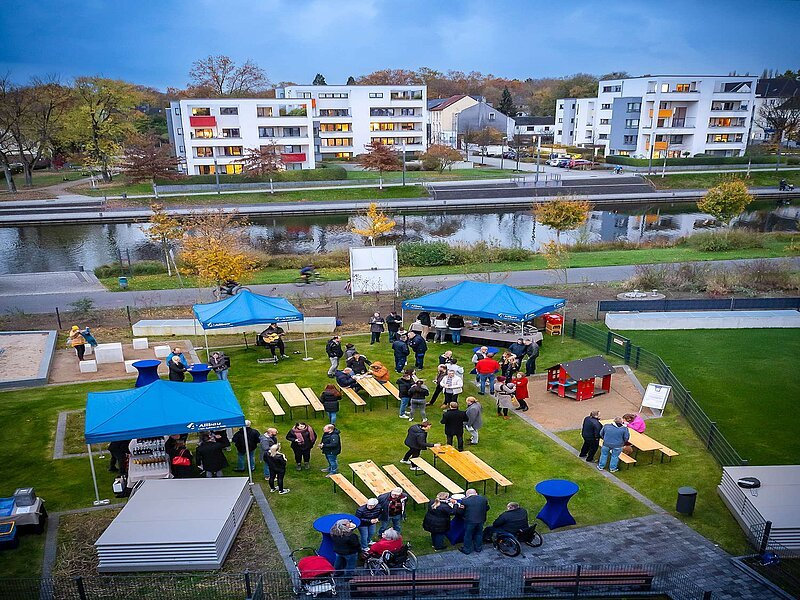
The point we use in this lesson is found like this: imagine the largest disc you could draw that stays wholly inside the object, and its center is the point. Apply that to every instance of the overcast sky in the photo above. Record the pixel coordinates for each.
(154, 42)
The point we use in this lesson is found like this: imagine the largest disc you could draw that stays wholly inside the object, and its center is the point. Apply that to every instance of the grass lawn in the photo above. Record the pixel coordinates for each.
(707, 180)
(745, 380)
(514, 448)
(773, 247)
(44, 178)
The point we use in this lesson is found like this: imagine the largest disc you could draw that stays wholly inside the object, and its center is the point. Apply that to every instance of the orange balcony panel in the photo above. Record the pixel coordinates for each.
(661, 146)
(313, 103)
(664, 113)
(295, 157)
(651, 113)
(203, 121)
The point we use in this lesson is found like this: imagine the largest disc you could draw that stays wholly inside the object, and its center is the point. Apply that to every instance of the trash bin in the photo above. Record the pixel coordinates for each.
(123, 283)
(687, 497)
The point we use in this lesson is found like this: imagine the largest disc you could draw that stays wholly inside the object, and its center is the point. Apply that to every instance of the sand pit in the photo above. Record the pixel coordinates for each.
(559, 414)
(25, 357)
(66, 370)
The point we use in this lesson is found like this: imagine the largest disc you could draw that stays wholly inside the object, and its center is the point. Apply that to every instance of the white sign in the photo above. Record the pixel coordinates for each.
(655, 398)
(373, 269)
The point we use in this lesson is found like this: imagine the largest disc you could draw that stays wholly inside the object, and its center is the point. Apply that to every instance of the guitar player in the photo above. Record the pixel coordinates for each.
(272, 337)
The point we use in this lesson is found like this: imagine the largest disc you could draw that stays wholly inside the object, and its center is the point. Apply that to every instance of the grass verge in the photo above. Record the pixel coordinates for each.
(707, 180)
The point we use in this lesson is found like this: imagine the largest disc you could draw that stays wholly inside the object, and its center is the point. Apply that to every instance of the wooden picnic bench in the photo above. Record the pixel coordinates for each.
(536, 580)
(392, 389)
(439, 477)
(499, 479)
(275, 406)
(404, 482)
(348, 488)
(313, 400)
(461, 464)
(404, 583)
(375, 479)
(623, 458)
(353, 395)
(293, 397)
(667, 452)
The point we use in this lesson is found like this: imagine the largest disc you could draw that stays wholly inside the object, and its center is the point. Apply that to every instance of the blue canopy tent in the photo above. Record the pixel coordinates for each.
(161, 408)
(487, 300)
(247, 308)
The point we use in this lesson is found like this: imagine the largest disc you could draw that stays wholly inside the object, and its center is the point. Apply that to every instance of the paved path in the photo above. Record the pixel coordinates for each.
(652, 540)
(38, 295)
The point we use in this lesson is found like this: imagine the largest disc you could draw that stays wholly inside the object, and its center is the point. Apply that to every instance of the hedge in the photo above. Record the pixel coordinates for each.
(326, 173)
(702, 160)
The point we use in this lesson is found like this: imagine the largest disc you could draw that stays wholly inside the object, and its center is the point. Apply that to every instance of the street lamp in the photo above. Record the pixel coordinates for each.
(538, 153)
(216, 173)
(404, 162)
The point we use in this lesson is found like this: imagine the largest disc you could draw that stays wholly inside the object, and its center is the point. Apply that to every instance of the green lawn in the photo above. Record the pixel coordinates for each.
(748, 381)
(44, 178)
(513, 447)
(707, 180)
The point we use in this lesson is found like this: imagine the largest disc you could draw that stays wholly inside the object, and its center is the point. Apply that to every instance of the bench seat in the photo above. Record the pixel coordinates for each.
(637, 578)
(348, 488)
(353, 395)
(275, 406)
(401, 583)
(313, 400)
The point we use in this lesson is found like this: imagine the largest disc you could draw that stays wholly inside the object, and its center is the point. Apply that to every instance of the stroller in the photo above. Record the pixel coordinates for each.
(314, 572)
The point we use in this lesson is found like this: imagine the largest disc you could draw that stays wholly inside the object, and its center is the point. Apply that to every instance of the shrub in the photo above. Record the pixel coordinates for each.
(763, 275)
(430, 163)
(514, 255)
(428, 254)
(414, 166)
(713, 241)
(143, 267)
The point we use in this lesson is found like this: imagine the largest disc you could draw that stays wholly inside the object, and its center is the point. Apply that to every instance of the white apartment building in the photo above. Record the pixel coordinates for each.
(212, 135)
(348, 117)
(575, 122)
(679, 115)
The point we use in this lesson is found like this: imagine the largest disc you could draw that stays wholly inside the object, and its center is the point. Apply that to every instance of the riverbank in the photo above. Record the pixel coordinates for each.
(756, 179)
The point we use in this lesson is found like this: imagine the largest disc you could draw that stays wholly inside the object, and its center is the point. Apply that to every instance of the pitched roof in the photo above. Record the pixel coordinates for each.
(535, 120)
(449, 102)
(586, 368)
(435, 102)
(778, 88)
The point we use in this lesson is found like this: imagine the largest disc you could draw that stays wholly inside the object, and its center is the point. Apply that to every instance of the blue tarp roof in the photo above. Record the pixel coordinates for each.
(245, 308)
(488, 300)
(161, 408)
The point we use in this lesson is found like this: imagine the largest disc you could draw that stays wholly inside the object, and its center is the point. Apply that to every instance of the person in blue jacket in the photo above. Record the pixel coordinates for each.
(418, 344)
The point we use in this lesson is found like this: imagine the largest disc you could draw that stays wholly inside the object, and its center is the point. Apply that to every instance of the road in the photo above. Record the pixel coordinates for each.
(40, 300)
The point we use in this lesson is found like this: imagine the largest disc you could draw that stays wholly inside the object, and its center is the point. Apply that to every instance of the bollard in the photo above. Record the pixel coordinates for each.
(687, 497)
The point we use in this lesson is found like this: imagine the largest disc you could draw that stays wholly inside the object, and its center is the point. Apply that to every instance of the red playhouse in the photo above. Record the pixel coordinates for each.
(577, 378)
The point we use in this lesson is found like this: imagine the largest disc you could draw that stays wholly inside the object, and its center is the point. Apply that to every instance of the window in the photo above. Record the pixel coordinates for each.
(408, 112)
(336, 127)
(232, 169)
(605, 121)
(182, 149)
(230, 151)
(333, 95)
(376, 95)
(723, 138)
(612, 88)
(558, 132)
(561, 106)
(177, 111)
(572, 120)
(676, 139)
(203, 133)
(205, 169)
(231, 133)
(605, 107)
(291, 149)
(381, 112)
(304, 95)
(381, 126)
(629, 140)
(407, 95)
(334, 112)
(560, 120)
(180, 130)
(291, 132)
(631, 123)
(682, 87)
(201, 112)
(229, 110)
(664, 88)
(263, 111)
(602, 136)
(634, 107)
(336, 142)
(492, 116)
(530, 128)
(265, 132)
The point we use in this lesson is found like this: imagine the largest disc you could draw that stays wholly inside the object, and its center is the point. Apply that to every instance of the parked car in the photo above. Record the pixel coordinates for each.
(510, 154)
(580, 163)
(553, 162)
(563, 162)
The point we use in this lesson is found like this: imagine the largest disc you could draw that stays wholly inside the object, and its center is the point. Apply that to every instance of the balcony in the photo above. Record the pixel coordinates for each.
(294, 157)
(202, 121)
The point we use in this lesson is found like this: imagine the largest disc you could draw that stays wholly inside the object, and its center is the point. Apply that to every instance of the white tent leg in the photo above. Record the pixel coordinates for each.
(205, 335)
(97, 501)
(247, 455)
(305, 342)
(564, 326)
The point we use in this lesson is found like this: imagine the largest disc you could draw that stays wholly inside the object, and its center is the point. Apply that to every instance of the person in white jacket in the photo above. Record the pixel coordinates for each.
(440, 325)
(452, 384)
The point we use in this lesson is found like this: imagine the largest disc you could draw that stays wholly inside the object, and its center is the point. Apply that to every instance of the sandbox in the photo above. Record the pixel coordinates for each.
(26, 357)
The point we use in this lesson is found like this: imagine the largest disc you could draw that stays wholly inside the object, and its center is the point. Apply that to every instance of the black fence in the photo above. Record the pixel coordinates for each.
(639, 358)
(575, 581)
(698, 304)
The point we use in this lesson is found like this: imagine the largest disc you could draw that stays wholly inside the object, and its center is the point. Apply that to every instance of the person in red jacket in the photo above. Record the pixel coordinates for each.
(487, 369)
(390, 541)
(522, 390)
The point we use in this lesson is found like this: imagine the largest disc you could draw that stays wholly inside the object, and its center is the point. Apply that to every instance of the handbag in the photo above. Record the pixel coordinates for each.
(180, 460)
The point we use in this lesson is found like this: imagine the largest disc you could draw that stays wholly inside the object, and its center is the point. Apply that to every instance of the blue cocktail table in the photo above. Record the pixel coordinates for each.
(557, 493)
(199, 373)
(323, 525)
(148, 371)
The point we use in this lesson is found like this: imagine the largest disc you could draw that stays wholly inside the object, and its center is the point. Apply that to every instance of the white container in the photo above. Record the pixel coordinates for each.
(140, 344)
(129, 368)
(88, 366)
(109, 353)
(162, 351)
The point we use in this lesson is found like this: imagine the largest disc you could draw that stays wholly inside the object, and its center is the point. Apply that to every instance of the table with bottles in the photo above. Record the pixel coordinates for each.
(148, 460)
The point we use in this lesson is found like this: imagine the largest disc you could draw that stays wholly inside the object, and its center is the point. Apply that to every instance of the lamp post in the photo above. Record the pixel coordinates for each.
(404, 163)
(666, 153)
(502, 152)
(538, 154)
(216, 173)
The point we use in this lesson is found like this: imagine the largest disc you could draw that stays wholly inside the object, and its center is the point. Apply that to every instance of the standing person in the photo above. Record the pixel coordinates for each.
(505, 392)
(119, 456)
(331, 446)
(417, 441)
(455, 323)
(521, 393)
(393, 510)
(422, 325)
(401, 352)
(475, 508)
(452, 384)
(177, 370)
(474, 419)
(379, 372)
(77, 341)
(418, 392)
(330, 397)
(393, 323)
(210, 456)
(181, 462)
(219, 364)
(441, 372)
(446, 357)
(518, 349)
(614, 436)
(508, 365)
(590, 432)
(268, 439)
(487, 369)
(376, 326)
(417, 343)
(480, 354)
(453, 420)
(437, 519)
(346, 545)
(358, 363)
(334, 351)
(277, 469)
(369, 516)
(404, 388)
(440, 325)
(178, 351)
(533, 354)
(253, 439)
(302, 437)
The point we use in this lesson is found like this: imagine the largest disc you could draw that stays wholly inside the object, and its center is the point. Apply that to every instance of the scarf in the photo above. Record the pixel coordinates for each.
(298, 435)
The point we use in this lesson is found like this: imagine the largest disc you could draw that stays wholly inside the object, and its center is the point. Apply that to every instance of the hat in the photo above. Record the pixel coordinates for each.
(74, 328)
(372, 502)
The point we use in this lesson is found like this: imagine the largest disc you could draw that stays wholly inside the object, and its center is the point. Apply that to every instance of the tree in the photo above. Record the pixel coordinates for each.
(506, 105)
(165, 230)
(263, 160)
(351, 80)
(222, 77)
(782, 119)
(488, 136)
(374, 223)
(213, 249)
(319, 80)
(726, 200)
(379, 157)
(6, 142)
(145, 158)
(443, 156)
(103, 115)
(560, 215)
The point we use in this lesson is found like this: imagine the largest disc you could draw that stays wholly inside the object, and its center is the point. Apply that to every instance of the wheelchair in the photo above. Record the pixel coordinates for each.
(509, 544)
(403, 558)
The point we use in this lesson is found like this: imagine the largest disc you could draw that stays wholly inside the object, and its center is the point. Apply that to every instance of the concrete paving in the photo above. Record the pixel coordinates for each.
(66, 282)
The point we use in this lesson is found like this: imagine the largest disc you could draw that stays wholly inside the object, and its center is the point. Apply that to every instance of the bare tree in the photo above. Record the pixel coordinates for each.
(6, 141)
(782, 119)
(221, 76)
(263, 160)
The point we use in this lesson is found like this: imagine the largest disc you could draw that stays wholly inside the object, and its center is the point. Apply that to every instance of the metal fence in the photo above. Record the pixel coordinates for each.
(571, 581)
(698, 304)
(778, 564)
(639, 358)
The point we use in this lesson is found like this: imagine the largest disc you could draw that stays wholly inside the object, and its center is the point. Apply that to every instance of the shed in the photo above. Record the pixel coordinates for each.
(578, 378)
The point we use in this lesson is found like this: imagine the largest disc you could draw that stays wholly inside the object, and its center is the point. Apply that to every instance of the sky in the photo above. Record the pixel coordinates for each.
(153, 42)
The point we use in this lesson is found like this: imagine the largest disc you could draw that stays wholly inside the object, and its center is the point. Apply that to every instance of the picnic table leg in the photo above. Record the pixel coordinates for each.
(306, 411)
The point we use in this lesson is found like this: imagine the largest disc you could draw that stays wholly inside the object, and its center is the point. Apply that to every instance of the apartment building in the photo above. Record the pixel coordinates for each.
(348, 117)
(528, 129)
(575, 122)
(212, 135)
(679, 115)
(444, 119)
(773, 92)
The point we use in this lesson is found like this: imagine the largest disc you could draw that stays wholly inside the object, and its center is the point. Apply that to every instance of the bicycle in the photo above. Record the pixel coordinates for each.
(509, 545)
(311, 279)
(403, 558)
(226, 290)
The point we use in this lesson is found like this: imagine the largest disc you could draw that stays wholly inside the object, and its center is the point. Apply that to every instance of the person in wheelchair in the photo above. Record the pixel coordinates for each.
(391, 541)
(512, 521)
